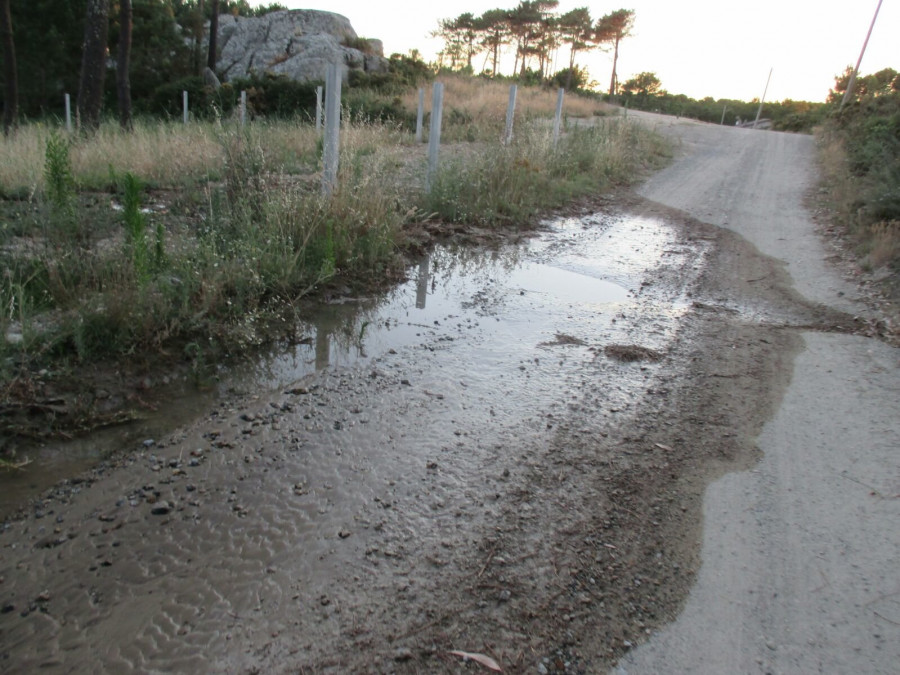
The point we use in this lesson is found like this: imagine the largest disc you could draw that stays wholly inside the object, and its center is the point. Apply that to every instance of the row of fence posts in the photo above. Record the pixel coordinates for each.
(184, 108)
(328, 114)
(331, 144)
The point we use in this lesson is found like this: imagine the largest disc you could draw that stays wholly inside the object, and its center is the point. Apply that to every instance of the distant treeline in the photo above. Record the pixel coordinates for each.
(535, 34)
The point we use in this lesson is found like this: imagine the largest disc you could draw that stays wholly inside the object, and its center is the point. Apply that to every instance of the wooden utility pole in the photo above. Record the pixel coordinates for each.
(763, 99)
(852, 83)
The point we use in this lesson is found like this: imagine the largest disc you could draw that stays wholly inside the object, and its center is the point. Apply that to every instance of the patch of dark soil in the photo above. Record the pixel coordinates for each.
(561, 340)
(631, 353)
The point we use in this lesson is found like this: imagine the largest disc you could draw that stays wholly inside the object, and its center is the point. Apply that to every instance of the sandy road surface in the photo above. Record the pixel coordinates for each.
(801, 555)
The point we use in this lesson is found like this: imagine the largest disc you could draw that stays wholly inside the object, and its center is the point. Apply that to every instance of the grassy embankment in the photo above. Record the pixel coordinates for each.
(198, 240)
(860, 158)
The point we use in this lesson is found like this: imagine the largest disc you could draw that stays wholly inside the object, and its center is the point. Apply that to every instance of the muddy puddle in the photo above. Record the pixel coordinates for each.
(361, 465)
(581, 284)
(578, 279)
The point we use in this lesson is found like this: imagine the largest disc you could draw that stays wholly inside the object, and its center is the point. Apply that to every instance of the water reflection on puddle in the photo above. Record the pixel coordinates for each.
(573, 278)
(582, 279)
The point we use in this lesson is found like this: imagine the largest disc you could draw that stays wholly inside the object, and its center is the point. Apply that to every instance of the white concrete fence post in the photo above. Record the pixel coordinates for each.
(319, 111)
(434, 134)
(510, 115)
(184, 106)
(68, 113)
(331, 145)
(558, 118)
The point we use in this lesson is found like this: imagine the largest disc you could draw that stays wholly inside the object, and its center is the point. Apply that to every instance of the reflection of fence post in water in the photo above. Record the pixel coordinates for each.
(323, 348)
(331, 145)
(558, 118)
(422, 283)
(510, 114)
(319, 110)
(420, 115)
(434, 134)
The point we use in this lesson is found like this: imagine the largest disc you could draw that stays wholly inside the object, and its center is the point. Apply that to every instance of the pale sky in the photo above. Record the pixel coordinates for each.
(696, 47)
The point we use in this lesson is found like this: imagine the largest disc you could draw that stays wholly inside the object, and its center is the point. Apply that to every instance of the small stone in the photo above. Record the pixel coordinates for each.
(161, 508)
(343, 534)
(149, 443)
(403, 654)
(505, 595)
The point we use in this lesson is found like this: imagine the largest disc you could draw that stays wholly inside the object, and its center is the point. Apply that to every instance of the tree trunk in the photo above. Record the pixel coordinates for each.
(571, 69)
(93, 64)
(198, 38)
(613, 80)
(11, 90)
(123, 82)
(213, 36)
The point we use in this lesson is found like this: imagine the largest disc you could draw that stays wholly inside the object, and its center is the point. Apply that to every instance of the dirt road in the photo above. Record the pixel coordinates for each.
(509, 456)
(800, 554)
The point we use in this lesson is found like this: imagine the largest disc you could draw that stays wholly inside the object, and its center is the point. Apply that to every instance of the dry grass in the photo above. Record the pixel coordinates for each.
(171, 155)
(877, 244)
(882, 241)
(485, 101)
(841, 195)
(166, 155)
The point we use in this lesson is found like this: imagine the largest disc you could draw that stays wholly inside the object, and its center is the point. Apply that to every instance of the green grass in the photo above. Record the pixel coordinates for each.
(510, 185)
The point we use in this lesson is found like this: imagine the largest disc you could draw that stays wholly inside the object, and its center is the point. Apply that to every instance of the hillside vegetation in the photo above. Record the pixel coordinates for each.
(860, 151)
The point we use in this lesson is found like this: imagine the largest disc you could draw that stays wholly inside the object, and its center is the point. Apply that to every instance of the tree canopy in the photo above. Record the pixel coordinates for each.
(535, 33)
(613, 28)
(166, 35)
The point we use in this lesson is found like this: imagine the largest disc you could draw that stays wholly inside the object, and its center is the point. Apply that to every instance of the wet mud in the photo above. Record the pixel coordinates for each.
(505, 456)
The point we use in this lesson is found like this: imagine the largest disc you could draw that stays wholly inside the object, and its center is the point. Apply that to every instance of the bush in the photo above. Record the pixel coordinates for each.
(277, 96)
(204, 102)
(860, 157)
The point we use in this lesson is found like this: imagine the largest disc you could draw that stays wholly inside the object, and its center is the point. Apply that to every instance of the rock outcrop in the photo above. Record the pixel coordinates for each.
(298, 43)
